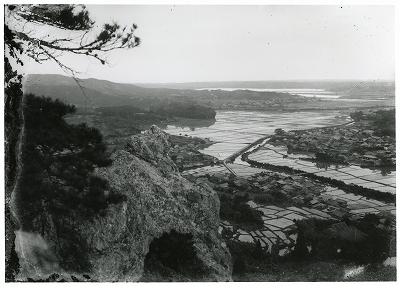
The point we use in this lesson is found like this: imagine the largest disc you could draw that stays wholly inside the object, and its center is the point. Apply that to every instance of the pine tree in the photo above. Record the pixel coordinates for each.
(22, 22)
(57, 164)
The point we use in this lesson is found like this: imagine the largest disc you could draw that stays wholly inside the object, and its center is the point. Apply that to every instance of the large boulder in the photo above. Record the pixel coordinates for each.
(159, 201)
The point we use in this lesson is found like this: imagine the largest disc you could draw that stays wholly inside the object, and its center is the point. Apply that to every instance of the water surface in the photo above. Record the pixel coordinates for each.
(234, 130)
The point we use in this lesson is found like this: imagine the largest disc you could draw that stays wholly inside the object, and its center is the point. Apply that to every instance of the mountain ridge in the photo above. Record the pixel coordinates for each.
(93, 93)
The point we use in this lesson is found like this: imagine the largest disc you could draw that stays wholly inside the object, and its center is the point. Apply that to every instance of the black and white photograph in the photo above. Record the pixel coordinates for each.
(200, 142)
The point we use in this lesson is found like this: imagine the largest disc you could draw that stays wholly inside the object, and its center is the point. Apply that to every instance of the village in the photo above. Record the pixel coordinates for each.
(266, 103)
(356, 143)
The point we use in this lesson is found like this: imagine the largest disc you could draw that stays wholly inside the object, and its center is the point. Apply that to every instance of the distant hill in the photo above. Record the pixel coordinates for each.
(117, 98)
(345, 87)
(96, 92)
(103, 86)
(102, 93)
(183, 100)
(240, 84)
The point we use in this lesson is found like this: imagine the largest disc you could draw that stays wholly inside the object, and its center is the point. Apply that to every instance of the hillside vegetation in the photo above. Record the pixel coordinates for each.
(58, 160)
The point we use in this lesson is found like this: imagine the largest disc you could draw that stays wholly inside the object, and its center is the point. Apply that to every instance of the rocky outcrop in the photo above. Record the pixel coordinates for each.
(113, 247)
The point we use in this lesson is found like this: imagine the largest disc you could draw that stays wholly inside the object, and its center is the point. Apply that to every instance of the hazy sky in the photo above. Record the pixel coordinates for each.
(222, 43)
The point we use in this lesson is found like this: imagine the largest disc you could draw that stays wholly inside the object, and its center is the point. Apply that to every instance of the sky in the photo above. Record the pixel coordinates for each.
(196, 43)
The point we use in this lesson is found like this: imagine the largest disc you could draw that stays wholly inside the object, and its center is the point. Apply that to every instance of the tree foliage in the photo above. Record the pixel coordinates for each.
(22, 34)
(372, 249)
(383, 121)
(58, 160)
(239, 266)
(184, 109)
(244, 260)
(357, 115)
(237, 211)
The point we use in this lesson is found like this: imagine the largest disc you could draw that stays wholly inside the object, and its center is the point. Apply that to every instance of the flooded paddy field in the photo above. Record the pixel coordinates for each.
(374, 179)
(234, 130)
(279, 227)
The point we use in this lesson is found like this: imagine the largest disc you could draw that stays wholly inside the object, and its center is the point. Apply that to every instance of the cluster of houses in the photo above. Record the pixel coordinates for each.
(353, 143)
(297, 190)
(267, 103)
(301, 192)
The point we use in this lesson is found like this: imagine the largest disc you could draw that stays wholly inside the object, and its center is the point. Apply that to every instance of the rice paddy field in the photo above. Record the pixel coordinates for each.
(373, 179)
(234, 130)
(279, 225)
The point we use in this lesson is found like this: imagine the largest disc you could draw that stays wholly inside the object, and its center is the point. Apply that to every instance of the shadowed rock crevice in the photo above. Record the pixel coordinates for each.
(173, 254)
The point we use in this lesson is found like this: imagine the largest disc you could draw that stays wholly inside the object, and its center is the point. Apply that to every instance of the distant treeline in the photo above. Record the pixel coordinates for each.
(184, 109)
(125, 112)
(383, 121)
(174, 109)
(120, 110)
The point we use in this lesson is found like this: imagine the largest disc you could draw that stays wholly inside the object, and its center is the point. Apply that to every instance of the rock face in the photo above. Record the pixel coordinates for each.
(159, 201)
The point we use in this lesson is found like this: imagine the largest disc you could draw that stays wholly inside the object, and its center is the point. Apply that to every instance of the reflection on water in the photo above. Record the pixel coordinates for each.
(366, 170)
(192, 124)
(385, 172)
(326, 165)
(378, 179)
